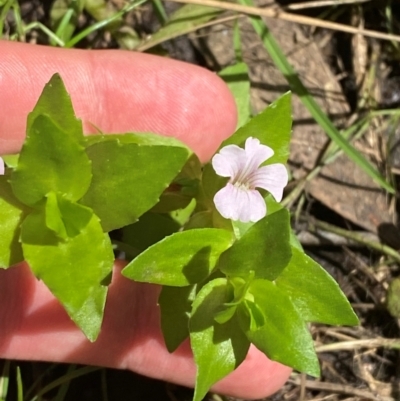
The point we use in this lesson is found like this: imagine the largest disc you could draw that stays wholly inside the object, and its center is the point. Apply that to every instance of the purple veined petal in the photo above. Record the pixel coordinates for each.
(237, 203)
(2, 167)
(256, 153)
(272, 178)
(229, 161)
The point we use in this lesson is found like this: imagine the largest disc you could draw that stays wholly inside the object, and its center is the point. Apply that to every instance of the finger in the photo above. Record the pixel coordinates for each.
(34, 326)
(117, 91)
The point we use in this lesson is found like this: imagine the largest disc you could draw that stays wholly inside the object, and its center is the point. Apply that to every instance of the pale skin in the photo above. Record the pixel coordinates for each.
(116, 91)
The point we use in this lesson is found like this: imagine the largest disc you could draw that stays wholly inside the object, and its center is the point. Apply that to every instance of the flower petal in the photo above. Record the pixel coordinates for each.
(273, 178)
(2, 168)
(256, 152)
(229, 161)
(237, 203)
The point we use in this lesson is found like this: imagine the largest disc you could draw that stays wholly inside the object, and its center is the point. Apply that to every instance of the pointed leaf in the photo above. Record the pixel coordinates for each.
(226, 314)
(315, 294)
(120, 199)
(218, 349)
(181, 259)
(77, 270)
(284, 337)
(65, 218)
(140, 138)
(12, 213)
(11, 160)
(175, 307)
(256, 315)
(50, 160)
(183, 189)
(272, 127)
(56, 103)
(75, 216)
(53, 216)
(264, 249)
(149, 229)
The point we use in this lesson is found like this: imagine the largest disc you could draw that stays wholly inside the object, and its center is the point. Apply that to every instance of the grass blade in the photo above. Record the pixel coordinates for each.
(101, 24)
(320, 117)
(184, 20)
(4, 381)
(20, 386)
(66, 378)
(160, 11)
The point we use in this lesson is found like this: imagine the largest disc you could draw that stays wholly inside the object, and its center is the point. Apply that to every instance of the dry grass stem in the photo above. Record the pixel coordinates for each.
(357, 344)
(145, 46)
(338, 388)
(274, 12)
(322, 3)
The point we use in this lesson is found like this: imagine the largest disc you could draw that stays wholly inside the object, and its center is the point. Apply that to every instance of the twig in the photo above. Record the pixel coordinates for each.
(314, 225)
(322, 3)
(357, 344)
(337, 388)
(274, 12)
(323, 237)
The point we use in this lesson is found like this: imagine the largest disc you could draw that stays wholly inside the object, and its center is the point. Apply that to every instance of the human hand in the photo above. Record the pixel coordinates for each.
(118, 92)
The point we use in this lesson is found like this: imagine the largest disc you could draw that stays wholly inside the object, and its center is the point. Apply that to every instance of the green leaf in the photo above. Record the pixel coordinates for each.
(140, 138)
(55, 102)
(211, 184)
(11, 160)
(218, 349)
(200, 220)
(175, 307)
(182, 216)
(226, 314)
(149, 229)
(237, 78)
(185, 20)
(264, 249)
(272, 205)
(314, 293)
(256, 315)
(53, 216)
(272, 127)
(77, 270)
(12, 213)
(75, 216)
(284, 337)
(65, 218)
(50, 160)
(120, 199)
(183, 188)
(182, 259)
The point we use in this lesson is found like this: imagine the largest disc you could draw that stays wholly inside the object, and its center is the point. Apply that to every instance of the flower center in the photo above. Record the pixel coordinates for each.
(242, 179)
(244, 186)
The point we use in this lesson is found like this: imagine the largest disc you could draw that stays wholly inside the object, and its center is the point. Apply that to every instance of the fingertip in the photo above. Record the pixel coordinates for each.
(117, 91)
(257, 377)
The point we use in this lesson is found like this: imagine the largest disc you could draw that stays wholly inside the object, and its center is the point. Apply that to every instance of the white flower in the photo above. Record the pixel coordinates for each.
(1, 166)
(239, 199)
